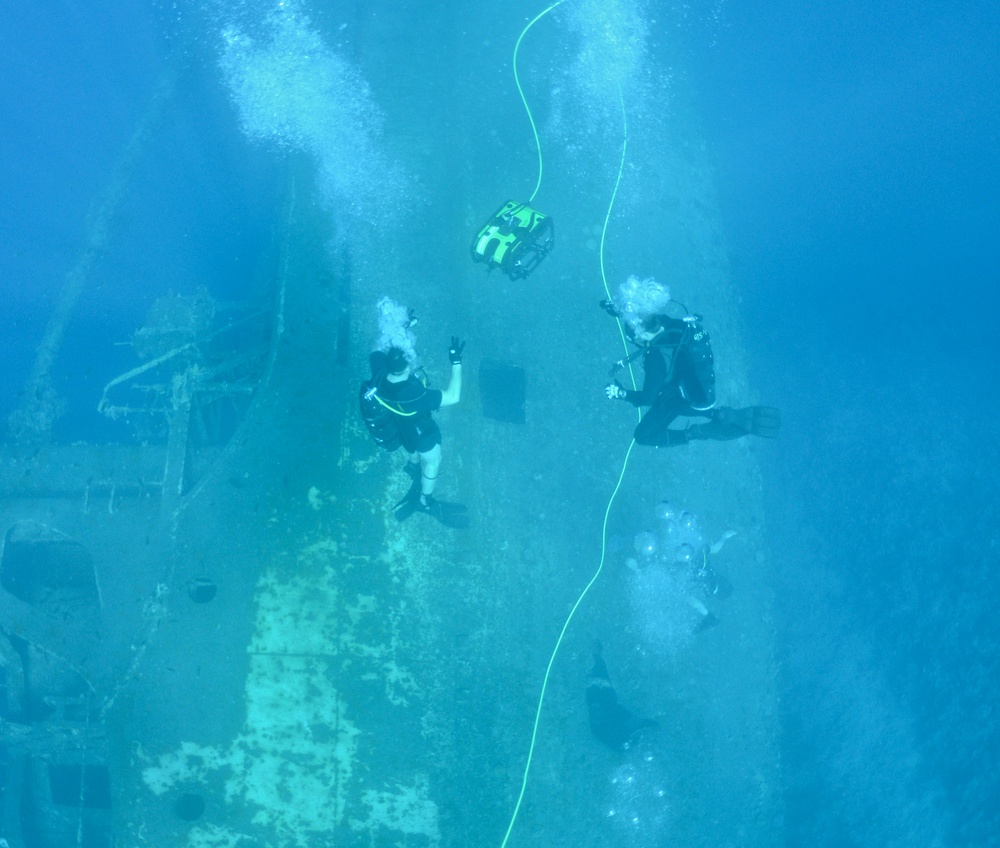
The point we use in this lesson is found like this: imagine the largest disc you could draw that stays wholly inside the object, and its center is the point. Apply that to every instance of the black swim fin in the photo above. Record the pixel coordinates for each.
(449, 514)
(405, 508)
(412, 497)
(728, 423)
(766, 421)
(454, 515)
(705, 622)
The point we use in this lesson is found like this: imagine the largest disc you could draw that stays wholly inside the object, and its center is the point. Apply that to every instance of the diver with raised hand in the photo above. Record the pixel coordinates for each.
(678, 373)
(396, 404)
(413, 402)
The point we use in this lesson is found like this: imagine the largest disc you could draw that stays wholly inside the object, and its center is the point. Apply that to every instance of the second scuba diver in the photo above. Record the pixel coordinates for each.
(679, 373)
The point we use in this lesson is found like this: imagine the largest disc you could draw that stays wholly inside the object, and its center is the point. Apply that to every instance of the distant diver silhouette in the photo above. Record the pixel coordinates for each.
(610, 721)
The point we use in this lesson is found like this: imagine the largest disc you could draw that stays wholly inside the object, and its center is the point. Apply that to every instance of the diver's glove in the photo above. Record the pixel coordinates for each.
(609, 307)
(615, 391)
(455, 351)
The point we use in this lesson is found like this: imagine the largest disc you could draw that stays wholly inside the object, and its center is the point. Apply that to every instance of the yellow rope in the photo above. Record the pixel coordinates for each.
(604, 525)
(604, 230)
(524, 100)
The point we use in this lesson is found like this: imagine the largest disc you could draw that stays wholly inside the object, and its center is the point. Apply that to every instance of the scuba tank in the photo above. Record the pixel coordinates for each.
(379, 420)
(696, 366)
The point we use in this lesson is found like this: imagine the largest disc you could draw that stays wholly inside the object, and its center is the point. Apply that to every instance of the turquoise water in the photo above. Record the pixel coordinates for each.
(827, 177)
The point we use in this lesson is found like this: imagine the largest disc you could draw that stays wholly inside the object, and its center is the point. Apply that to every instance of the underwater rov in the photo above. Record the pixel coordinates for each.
(515, 239)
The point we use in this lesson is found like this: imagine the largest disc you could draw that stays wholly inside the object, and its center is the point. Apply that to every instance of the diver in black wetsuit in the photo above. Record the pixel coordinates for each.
(410, 403)
(679, 380)
(610, 721)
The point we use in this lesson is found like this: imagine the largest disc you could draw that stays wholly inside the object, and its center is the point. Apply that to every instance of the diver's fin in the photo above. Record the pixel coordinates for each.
(705, 622)
(452, 515)
(405, 508)
(409, 503)
(728, 423)
(449, 514)
(766, 421)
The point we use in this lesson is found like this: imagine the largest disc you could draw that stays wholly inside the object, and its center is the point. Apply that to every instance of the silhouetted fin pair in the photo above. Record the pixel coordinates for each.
(610, 721)
(449, 514)
(728, 423)
(765, 421)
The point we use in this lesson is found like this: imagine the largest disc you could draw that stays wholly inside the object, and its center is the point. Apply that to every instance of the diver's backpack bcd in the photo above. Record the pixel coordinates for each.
(690, 360)
(379, 420)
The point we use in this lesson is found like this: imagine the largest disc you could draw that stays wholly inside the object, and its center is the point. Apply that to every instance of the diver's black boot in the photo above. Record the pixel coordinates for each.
(675, 438)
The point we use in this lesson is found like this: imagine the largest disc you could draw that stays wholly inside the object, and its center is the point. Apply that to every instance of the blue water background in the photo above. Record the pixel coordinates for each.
(75, 83)
(857, 169)
(859, 181)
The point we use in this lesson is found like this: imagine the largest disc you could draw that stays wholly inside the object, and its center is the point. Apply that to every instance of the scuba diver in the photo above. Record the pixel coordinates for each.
(396, 406)
(610, 722)
(711, 583)
(679, 375)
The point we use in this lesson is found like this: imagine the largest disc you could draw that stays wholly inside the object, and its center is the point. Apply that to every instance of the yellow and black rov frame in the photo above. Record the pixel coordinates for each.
(515, 239)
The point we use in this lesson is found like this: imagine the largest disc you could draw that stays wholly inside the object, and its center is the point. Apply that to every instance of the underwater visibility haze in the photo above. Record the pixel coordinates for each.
(230, 617)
